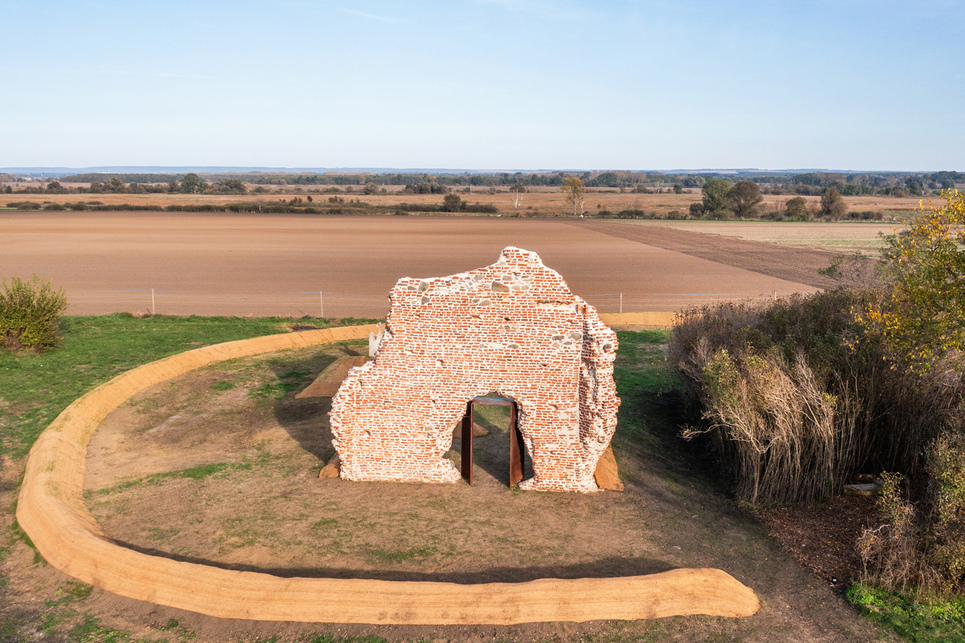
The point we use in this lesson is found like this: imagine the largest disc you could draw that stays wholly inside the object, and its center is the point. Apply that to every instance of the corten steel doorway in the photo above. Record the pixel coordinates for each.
(516, 446)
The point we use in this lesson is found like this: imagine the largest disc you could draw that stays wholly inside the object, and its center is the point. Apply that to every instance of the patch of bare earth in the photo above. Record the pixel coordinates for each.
(822, 537)
(220, 467)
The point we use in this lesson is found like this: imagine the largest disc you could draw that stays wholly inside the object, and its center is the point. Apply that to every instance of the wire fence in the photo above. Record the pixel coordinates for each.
(188, 302)
(669, 302)
(340, 304)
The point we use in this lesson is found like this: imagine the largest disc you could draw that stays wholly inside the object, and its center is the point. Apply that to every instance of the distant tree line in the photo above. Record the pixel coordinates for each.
(187, 184)
(721, 199)
(722, 195)
(892, 184)
(297, 205)
(805, 184)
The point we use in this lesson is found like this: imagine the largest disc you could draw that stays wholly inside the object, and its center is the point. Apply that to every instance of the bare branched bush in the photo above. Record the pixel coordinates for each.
(796, 405)
(777, 422)
(892, 551)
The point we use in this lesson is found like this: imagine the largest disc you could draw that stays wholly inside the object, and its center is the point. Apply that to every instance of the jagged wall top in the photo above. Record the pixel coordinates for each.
(513, 327)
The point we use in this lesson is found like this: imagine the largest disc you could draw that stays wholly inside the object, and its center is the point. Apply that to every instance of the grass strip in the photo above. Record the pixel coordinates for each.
(194, 473)
(909, 615)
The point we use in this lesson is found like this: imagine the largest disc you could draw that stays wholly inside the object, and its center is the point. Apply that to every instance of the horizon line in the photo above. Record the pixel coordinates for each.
(245, 169)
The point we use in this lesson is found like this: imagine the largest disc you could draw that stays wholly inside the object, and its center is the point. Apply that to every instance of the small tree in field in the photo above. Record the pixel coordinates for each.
(745, 199)
(833, 204)
(29, 312)
(797, 209)
(451, 203)
(575, 189)
(192, 184)
(518, 190)
(714, 203)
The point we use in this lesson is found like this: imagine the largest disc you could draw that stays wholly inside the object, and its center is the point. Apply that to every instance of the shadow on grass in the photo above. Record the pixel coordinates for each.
(612, 567)
(305, 420)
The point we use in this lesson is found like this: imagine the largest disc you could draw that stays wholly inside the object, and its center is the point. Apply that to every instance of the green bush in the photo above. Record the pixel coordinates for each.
(29, 313)
(451, 203)
(631, 213)
(866, 215)
(24, 205)
(483, 208)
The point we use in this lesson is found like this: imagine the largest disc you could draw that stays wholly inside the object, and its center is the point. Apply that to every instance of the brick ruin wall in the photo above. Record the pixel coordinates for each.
(513, 327)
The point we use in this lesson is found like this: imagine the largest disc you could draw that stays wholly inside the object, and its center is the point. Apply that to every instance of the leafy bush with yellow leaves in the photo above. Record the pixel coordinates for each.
(921, 315)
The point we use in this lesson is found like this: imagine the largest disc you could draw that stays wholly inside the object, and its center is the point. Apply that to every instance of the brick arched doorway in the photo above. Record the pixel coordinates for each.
(516, 446)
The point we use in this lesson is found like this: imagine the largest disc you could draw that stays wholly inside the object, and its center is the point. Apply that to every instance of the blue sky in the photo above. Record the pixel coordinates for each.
(485, 84)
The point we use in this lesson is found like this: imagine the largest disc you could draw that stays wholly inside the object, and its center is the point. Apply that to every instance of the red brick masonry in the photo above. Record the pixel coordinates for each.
(513, 327)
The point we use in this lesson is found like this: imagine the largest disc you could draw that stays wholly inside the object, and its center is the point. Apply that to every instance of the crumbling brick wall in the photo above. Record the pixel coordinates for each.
(513, 327)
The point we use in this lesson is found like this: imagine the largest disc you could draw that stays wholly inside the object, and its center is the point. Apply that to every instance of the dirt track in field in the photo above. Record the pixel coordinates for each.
(800, 265)
(226, 264)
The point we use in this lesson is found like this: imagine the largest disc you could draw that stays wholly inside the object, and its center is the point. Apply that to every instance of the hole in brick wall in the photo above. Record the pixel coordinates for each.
(491, 445)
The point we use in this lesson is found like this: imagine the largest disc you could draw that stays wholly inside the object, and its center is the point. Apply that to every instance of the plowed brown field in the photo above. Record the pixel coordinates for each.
(228, 264)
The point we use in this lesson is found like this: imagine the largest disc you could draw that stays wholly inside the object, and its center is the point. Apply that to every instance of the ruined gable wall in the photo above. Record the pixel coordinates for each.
(512, 327)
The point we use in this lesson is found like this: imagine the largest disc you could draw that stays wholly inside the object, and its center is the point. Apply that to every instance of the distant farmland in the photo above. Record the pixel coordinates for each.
(536, 201)
(227, 264)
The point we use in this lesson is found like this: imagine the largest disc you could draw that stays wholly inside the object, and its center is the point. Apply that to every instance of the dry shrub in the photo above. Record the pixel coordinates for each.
(921, 546)
(777, 423)
(946, 472)
(795, 405)
(891, 551)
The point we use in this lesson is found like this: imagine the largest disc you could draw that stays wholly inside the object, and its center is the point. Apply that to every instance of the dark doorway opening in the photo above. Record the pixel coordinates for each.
(517, 449)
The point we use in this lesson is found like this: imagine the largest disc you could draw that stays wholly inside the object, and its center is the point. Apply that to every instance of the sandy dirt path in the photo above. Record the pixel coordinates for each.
(277, 264)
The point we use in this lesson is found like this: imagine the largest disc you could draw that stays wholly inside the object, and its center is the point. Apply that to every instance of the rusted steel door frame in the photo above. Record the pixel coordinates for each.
(516, 445)
(516, 448)
(467, 444)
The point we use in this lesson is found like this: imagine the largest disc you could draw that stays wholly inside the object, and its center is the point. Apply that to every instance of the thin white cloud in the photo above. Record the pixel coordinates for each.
(372, 16)
(173, 75)
(100, 72)
(541, 8)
